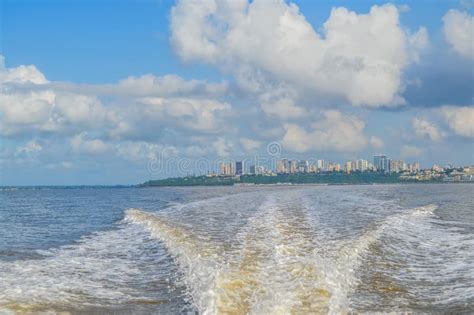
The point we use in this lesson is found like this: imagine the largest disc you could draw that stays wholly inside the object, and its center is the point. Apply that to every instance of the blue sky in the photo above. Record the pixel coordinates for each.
(116, 84)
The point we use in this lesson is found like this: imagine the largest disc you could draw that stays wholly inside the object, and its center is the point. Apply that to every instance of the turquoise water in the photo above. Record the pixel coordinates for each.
(221, 250)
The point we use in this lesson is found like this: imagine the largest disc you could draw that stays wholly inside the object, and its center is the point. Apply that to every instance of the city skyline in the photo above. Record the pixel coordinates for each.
(289, 166)
(121, 85)
(380, 162)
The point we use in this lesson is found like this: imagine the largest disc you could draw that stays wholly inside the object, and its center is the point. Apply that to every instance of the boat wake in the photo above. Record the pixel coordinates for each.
(278, 263)
(271, 252)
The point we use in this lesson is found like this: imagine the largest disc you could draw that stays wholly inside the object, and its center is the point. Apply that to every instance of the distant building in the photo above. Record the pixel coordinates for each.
(348, 167)
(416, 166)
(283, 166)
(286, 165)
(303, 166)
(397, 166)
(238, 168)
(362, 165)
(252, 169)
(293, 166)
(226, 169)
(320, 164)
(259, 170)
(381, 163)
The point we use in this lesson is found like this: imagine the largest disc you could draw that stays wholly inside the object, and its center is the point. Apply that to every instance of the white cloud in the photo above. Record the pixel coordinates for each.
(408, 151)
(250, 145)
(283, 108)
(359, 57)
(168, 85)
(376, 142)
(195, 151)
(28, 103)
(195, 114)
(82, 144)
(460, 119)
(31, 147)
(459, 32)
(142, 150)
(426, 129)
(21, 74)
(66, 164)
(222, 147)
(280, 103)
(48, 111)
(335, 132)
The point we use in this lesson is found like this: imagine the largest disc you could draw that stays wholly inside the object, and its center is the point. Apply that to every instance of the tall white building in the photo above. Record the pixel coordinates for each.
(320, 164)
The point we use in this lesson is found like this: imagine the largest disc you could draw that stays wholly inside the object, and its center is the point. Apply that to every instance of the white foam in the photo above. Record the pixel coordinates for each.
(105, 269)
(198, 261)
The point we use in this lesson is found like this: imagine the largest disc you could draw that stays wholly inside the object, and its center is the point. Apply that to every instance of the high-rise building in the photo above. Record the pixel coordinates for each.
(280, 167)
(221, 168)
(348, 167)
(293, 166)
(320, 164)
(381, 163)
(303, 166)
(397, 165)
(286, 165)
(387, 165)
(283, 166)
(362, 165)
(252, 169)
(238, 168)
(416, 166)
(226, 169)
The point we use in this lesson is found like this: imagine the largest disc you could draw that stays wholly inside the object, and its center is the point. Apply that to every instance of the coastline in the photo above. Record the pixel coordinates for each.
(339, 179)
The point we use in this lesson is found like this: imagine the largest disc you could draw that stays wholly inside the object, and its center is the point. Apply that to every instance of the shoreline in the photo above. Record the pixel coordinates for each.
(311, 184)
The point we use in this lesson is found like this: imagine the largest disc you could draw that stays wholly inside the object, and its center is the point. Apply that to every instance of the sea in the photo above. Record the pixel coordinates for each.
(301, 249)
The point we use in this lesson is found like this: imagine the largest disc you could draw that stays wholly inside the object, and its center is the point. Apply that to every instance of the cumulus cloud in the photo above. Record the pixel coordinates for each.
(195, 114)
(359, 57)
(29, 104)
(250, 145)
(460, 119)
(149, 85)
(21, 74)
(81, 143)
(222, 147)
(426, 129)
(29, 148)
(135, 107)
(376, 142)
(334, 132)
(458, 31)
(48, 111)
(408, 151)
(142, 150)
(169, 85)
(280, 103)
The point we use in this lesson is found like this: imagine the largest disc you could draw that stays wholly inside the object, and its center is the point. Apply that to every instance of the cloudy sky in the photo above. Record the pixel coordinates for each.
(92, 91)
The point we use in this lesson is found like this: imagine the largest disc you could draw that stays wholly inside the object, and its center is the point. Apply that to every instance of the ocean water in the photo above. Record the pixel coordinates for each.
(238, 250)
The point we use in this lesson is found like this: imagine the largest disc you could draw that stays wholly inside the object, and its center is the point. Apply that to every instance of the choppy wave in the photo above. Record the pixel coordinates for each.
(277, 263)
(271, 252)
(117, 268)
(420, 258)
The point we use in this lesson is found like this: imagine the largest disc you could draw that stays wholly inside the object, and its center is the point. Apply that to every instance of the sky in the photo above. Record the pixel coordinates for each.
(120, 92)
